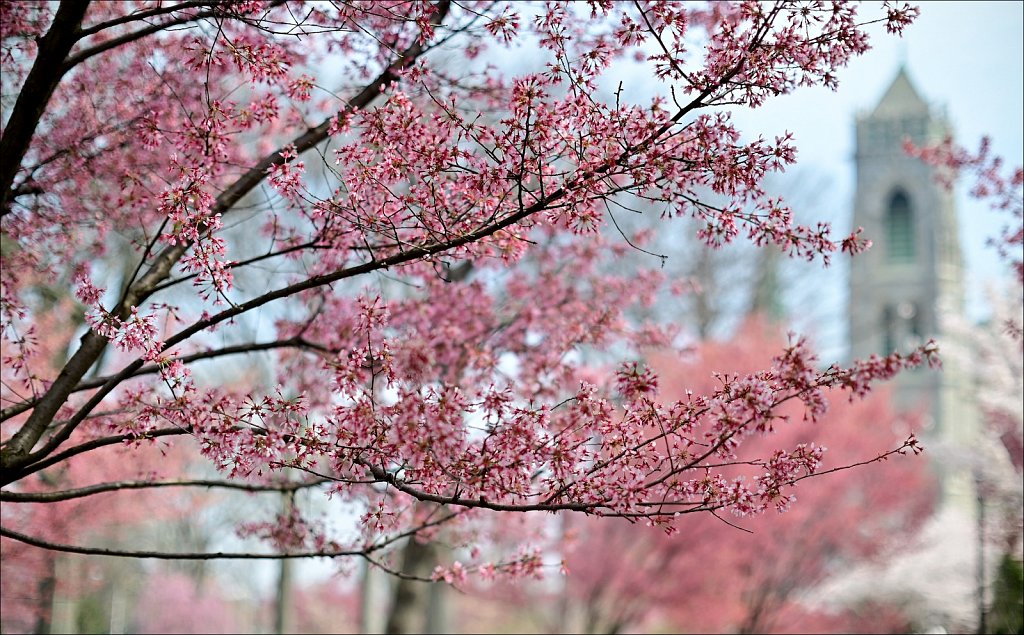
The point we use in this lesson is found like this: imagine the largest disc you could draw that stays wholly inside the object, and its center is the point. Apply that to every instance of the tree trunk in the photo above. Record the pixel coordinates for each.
(284, 577)
(46, 590)
(411, 601)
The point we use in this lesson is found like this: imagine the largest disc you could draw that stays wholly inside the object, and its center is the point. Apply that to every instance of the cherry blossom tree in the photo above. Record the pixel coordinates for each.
(308, 185)
(33, 579)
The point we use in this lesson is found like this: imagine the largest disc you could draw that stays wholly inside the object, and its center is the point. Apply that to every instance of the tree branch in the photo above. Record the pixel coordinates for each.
(46, 73)
(81, 492)
(164, 555)
(221, 555)
(135, 16)
(14, 475)
(18, 451)
(113, 43)
(293, 342)
(481, 503)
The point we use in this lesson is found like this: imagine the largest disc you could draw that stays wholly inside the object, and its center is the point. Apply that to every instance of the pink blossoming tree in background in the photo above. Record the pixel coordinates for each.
(353, 196)
(752, 578)
(749, 577)
(35, 580)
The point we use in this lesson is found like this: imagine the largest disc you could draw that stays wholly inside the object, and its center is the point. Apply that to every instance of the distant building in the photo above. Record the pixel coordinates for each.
(900, 288)
(904, 291)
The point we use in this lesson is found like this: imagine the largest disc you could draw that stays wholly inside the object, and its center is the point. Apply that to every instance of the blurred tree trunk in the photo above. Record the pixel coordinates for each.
(284, 577)
(413, 602)
(374, 592)
(46, 588)
(766, 295)
(705, 313)
(284, 587)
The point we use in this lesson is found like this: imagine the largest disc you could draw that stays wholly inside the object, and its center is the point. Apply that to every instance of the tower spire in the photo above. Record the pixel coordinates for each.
(901, 99)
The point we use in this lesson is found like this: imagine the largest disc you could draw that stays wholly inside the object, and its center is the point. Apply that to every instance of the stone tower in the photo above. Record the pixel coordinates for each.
(914, 271)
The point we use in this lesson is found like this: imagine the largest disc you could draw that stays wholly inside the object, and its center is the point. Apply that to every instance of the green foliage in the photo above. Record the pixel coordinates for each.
(92, 615)
(1007, 612)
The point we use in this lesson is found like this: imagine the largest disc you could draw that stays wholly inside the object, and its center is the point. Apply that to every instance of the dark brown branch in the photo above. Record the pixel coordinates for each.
(395, 572)
(221, 555)
(243, 263)
(42, 80)
(127, 38)
(291, 342)
(88, 446)
(164, 555)
(881, 457)
(482, 503)
(81, 492)
(135, 16)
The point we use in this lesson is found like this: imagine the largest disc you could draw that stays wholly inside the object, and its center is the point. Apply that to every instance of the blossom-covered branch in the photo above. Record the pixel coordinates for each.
(413, 243)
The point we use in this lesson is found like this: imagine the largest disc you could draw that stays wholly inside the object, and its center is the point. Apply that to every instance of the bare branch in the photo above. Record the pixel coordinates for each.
(144, 15)
(164, 555)
(81, 492)
(221, 555)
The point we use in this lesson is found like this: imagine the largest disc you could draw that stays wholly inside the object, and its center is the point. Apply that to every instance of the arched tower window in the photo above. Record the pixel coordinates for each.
(899, 225)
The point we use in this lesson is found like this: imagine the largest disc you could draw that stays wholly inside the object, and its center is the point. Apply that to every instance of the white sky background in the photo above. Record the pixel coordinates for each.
(965, 57)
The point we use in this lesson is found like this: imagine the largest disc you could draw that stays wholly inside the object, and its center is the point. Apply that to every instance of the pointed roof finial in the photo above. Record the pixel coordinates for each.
(901, 98)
